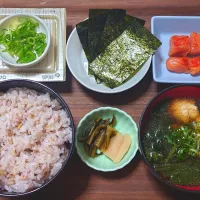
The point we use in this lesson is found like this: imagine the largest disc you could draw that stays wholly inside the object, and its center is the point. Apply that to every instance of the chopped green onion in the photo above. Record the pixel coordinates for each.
(23, 41)
(185, 141)
(31, 40)
(29, 56)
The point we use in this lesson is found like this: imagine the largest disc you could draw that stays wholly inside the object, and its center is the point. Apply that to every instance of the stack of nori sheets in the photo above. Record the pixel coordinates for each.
(116, 45)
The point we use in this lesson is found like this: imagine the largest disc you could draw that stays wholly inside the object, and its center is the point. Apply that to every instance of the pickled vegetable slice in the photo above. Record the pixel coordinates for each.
(97, 136)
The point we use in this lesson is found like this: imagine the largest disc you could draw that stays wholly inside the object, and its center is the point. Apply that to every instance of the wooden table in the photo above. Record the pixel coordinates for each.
(134, 181)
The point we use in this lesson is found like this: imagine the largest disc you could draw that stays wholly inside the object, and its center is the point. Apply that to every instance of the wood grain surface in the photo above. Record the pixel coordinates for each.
(134, 182)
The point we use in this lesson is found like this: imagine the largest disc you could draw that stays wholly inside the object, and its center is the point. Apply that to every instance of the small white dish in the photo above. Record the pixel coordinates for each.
(78, 65)
(11, 61)
(163, 27)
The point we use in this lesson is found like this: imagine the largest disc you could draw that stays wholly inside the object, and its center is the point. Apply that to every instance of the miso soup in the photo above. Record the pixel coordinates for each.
(172, 141)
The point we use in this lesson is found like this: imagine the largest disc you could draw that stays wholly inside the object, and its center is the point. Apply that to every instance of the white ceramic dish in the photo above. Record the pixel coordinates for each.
(163, 27)
(6, 57)
(78, 66)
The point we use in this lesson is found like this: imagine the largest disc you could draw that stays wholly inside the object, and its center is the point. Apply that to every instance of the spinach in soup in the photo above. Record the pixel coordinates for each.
(172, 141)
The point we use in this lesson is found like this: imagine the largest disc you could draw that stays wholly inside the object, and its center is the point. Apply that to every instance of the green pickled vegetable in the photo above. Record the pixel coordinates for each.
(97, 136)
(23, 41)
(95, 133)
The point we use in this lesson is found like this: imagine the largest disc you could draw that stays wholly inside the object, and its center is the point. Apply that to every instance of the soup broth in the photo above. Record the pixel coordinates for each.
(172, 141)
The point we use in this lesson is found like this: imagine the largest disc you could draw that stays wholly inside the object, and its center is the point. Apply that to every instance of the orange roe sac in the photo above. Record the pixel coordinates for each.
(179, 45)
(177, 64)
(194, 65)
(195, 43)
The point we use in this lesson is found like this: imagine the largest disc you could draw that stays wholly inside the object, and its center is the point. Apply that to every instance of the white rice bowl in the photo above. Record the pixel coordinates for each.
(33, 133)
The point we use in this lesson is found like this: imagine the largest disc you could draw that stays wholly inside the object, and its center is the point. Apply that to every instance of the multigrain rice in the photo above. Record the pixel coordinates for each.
(33, 133)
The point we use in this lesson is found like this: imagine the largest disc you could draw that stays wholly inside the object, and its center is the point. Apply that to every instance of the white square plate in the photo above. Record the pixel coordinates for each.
(163, 27)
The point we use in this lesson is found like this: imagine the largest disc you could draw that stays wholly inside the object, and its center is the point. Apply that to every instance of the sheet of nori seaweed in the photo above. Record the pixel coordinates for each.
(96, 17)
(95, 30)
(124, 56)
(96, 12)
(82, 30)
(129, 19)
(96, 25)
(114, 27)
(92, 29)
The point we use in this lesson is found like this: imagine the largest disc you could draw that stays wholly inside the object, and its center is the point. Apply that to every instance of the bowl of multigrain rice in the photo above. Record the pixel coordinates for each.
(36, 137)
